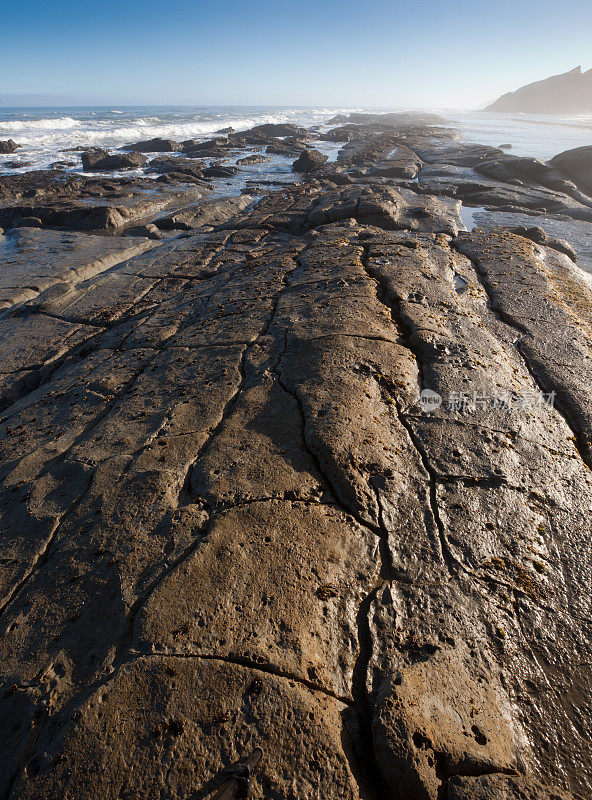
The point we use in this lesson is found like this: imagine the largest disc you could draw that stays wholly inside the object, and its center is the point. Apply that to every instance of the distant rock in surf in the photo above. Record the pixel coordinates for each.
(568, 93)
(8, 147)
(154, 146)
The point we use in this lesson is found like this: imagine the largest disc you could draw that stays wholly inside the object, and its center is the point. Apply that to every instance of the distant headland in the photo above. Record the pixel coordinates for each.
(568, 93)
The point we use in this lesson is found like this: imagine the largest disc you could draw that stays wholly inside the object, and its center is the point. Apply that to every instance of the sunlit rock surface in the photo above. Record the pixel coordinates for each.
(229, 520)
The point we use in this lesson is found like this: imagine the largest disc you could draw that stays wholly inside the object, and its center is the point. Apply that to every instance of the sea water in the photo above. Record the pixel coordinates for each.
(47, 133)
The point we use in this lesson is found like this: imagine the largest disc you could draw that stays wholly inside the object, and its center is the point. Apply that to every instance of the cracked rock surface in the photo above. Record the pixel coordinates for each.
(227, 521)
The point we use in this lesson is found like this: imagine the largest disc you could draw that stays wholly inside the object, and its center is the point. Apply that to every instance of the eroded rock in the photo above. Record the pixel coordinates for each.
(228, 520)
(309, 161)
(103, 161)
(9, 147)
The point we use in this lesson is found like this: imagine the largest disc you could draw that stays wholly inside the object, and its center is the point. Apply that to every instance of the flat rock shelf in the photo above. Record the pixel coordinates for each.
(228, 519)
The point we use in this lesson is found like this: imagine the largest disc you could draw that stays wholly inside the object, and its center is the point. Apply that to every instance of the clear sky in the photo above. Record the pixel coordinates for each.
(411, 53)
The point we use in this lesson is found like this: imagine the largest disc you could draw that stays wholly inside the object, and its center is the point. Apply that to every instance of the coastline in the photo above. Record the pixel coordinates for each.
(236, 523)
(48, 133)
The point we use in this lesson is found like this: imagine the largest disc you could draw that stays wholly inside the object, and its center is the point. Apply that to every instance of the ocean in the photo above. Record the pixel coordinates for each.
(46, 133)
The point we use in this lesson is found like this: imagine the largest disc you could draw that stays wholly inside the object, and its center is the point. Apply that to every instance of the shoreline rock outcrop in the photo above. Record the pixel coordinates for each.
(102, 161)
(156, 145)
(235, 514)
(577, 166)
(309, 161)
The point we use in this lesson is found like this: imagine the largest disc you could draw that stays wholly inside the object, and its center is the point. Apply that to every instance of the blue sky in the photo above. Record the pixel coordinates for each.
(417, 53)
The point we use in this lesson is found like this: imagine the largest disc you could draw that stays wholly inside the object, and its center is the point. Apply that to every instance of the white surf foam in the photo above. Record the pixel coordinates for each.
(44, 139)
(62, 123)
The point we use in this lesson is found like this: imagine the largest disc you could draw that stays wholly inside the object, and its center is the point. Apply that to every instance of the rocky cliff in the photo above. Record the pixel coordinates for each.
(568, 93)
(229, 521)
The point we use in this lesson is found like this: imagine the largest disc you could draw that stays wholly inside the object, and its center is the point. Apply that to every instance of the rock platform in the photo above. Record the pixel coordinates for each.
(229, 520)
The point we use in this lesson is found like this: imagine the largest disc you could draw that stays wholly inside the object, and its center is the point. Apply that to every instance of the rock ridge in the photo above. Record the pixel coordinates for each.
(228, 518)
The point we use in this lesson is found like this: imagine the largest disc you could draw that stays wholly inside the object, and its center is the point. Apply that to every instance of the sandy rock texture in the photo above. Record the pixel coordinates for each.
(229, 522)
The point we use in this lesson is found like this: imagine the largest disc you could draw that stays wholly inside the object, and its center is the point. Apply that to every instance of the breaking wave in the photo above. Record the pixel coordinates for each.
(45, 137)
(62, 123)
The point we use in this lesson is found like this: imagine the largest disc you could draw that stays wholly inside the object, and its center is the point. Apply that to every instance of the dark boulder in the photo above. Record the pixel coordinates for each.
(16, 164)
(338, 179)
(463, 155)
(154, 146)
(102, 161)
(345, 133)
(280, 129)
(220, 172)
(188, 176)
(207, 147)
(8, 147)
(254, 159)
(291, 147)
(396, 169)
(218, 152)
(510, 169)
(166, 164)
(249, 138)
(577, 166)
(309, 161)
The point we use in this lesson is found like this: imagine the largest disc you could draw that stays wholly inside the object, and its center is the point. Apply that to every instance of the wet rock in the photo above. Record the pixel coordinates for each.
(309, 161)
(288, 147)
(61, 258)
(29, 222)
(102, 161)
(209, 147)
(570, 236)
(220, 172)
(510, 168)
(577, 166)
(229, 519)
(345, 133)
(226, 700)
(278, 129)
(16, 164)
(538, 235)
(208, 212)
(154, 146)
(254, 159)
(8, 147)
(178, 168)
(399, 163)
(62, 164)
(164, 164)
(84, 203)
